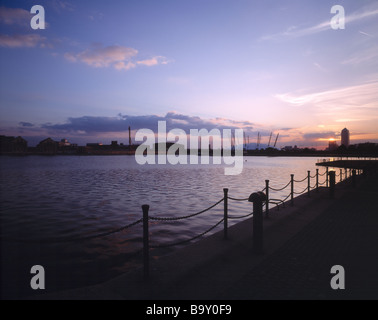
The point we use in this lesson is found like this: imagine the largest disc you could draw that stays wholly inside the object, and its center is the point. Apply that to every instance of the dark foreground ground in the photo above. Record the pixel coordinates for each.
(301, 245)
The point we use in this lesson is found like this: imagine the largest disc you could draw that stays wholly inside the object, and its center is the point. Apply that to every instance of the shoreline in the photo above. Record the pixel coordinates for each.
(310, 155)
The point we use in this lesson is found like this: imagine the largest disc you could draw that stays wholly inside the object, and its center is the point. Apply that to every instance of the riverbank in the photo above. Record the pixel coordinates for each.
(295, 239)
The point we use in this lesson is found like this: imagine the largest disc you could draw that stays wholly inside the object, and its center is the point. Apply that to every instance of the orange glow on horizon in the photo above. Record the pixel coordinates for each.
(326, 139)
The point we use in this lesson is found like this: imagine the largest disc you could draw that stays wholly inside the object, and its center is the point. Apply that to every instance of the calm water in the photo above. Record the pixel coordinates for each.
(68, 197)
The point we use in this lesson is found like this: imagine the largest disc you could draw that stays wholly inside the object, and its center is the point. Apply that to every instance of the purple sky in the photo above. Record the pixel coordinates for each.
(100, 66)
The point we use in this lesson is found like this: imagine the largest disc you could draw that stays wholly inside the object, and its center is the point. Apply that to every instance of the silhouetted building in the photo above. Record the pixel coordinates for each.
(66, 147)
(290, 149)
(64, 143)
(48, 146)
(332, 145)
(13, 145)
(345, 139)
(94, 145)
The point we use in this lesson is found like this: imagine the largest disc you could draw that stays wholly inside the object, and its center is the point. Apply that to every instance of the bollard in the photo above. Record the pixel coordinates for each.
(225, 222)
(341, 175)
(346, 173)
(146, 245)
(317, 180)
(332, 182)
(292, 190)
(354, 178)
(267, 199)
(308, 183)
(257, 198)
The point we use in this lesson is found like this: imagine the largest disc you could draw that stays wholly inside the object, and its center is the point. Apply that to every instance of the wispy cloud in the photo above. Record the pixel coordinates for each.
(98, 56)
(365, 33)
(22, 40)
(297, 32)
(345, 120)
(14, 16)
(122, 65)
(359, 95)
(320, 67)
(364, 56)
(153, 61)
(350, 104)
(118, 57)
(60, 6)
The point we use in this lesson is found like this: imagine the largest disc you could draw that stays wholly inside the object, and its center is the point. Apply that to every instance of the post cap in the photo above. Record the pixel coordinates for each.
(257, 196)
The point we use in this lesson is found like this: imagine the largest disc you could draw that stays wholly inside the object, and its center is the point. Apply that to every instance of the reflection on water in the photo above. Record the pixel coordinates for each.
(72, 196)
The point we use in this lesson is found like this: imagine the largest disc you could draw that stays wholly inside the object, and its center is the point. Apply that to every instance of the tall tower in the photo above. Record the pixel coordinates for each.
(345, 137)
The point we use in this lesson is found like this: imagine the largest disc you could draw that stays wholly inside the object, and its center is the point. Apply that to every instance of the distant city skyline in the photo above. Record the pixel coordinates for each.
(263, 66)
(333, 143)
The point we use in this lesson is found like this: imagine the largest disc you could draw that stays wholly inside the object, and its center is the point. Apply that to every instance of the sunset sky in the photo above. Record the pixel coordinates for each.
(267, 65)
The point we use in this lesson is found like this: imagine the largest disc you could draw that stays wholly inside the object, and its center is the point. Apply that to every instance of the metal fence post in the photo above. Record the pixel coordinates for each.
(257, 198)
(225, 222)
(354, 178)
(267, 198)
(146, 245)
(308, 183)
(341, 175)
(292, 190)
(327, 179)
(346, 173)
(317, 180)
(332, 179)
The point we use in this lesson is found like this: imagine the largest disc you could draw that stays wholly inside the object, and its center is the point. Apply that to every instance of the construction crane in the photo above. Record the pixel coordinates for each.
(129, 136)
(258, 140)
(276, 140)
(270, 139)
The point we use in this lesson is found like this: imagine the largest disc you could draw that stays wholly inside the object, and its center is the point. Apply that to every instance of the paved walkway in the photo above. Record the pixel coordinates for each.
(301, 246)
(345, 234)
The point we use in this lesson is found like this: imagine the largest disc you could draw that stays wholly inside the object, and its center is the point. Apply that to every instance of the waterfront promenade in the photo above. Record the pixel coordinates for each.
(301, 244)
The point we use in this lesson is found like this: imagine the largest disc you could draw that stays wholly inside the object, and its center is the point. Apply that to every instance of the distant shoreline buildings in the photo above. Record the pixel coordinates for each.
(19, 146)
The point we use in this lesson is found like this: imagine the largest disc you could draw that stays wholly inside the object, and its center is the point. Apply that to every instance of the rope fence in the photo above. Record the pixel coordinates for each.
(240, 217)
(299, 181)
(263, 199)
(72, 240)
(186, 241)
(298, 193)
(188, 216)
(283, 188)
